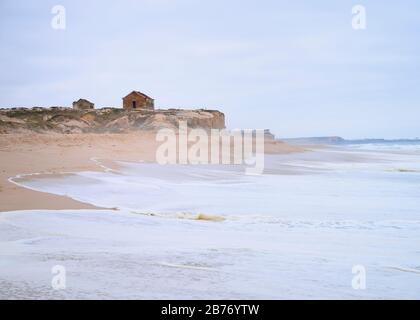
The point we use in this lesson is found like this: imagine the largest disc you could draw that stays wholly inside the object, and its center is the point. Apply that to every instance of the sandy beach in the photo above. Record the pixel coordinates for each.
(295, 232)
(26, 154)
(41, 153)
(180, 152)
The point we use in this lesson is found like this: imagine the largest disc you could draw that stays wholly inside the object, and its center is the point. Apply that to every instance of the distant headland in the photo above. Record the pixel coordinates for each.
(334, 140)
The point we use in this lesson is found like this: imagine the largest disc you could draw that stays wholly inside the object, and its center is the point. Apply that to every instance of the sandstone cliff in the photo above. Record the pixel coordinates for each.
(66, 120)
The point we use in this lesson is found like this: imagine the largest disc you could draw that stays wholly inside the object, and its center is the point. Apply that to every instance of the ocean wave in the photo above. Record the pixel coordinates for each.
(285, 223)
(185, 216)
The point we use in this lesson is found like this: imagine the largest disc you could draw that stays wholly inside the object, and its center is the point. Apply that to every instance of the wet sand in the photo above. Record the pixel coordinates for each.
(42, 153)
(25, 154)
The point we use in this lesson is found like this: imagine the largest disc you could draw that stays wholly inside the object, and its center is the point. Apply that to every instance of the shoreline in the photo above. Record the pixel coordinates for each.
(19, 180)
(25, 155)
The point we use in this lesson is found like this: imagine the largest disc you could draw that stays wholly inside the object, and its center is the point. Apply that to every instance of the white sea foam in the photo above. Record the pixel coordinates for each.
(214, 232)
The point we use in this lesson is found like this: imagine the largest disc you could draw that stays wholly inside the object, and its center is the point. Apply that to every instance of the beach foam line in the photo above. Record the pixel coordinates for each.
(284, 223)
(26, 175)
(101, 165)
(34, 174)
(209, 217)
(185, 216)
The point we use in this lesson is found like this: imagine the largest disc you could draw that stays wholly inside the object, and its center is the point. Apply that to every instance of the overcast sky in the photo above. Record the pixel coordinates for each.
(297, 67)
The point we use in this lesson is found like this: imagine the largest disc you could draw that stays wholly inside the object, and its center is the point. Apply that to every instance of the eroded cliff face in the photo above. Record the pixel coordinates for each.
(66, 120)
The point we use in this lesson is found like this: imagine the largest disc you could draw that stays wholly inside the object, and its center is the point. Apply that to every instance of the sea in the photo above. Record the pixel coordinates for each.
(339, 222)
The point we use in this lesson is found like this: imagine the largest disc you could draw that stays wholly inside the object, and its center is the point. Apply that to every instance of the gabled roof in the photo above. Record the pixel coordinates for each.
(139, 93)
(82, 100)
